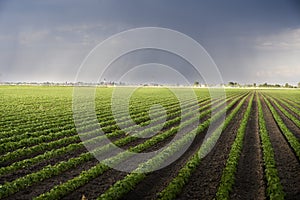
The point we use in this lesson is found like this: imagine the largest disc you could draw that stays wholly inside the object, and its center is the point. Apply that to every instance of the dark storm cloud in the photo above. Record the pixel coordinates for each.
(135, 58)
(250, 41)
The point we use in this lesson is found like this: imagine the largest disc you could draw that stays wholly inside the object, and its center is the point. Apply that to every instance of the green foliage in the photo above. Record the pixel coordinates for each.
(37, 124)
(176, 185)
(131, 180)
(293, 141)
(228, 175)
(286, 113)
(159, 158)
(274, 187)
(79, 181)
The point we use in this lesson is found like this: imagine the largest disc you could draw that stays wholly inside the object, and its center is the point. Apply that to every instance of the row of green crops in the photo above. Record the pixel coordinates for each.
(64, 150)
(40, 137)
(292, 140)
(227, 180)
(85, 176)
(176, 185)
(89, 137)
(47, 146)
(274, 187)
(37, 124)
(45, 173)
(287, 113)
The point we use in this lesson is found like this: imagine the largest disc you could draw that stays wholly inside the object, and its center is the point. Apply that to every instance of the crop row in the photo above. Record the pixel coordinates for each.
(95, 171)
(46, 123)
(285, 112)
(11, 187)
(292, 140)
(274, 187)
(29, 141)
(228, 175)
(73, 139)
(107, 126)
(51, 127)
(177, 183)
(63, 150)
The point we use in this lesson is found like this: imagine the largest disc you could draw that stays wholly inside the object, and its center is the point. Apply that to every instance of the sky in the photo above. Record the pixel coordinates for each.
(249, 41)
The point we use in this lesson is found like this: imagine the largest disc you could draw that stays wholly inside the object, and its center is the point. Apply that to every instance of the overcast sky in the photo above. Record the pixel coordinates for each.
(250, 41)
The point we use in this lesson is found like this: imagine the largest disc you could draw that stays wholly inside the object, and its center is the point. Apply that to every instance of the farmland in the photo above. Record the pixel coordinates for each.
(255, 151)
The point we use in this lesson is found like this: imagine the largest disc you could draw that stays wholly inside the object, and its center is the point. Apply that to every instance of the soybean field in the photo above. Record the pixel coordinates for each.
(254, 152)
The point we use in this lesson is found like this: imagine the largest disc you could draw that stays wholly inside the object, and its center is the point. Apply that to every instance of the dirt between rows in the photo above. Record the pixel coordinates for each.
(289, 110)
(52, 161)
(204, 181)
(293, 102)
(91, 190)
(289, 123)
(287, 163)
(38, 166)
(250, 182)
(4, 164)
(46, 185)
(249, 178)
(97, 186)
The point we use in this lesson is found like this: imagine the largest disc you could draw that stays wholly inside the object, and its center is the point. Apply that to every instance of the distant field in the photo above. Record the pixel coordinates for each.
(257, 155)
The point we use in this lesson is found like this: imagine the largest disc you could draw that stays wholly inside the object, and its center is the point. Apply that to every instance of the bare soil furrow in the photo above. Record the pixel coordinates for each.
(156, 181)
(286, 162)
(249, 179)
(204, 181)
(289, 123)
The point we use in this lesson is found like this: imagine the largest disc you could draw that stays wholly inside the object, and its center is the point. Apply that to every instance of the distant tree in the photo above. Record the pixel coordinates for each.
(233, 84)
(286, 85)
(196, 83)
(299, 85)
(263, 85)
(254, 84)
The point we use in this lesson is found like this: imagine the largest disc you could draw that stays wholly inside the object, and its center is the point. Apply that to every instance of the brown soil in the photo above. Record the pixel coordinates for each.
(4, 164)
(295, 103)
(249, 178)
(286, 162)
(95, 187)
(290, 111)
(98, 185)
(157, 180)
(46, 185)
(204, 181)
(36, 167)
(203, 184)
(289, 123)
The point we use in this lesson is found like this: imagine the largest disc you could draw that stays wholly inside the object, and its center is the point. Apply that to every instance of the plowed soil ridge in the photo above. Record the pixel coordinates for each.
(204, 181)
(289, 123)
(249, 179)
(286, 162)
